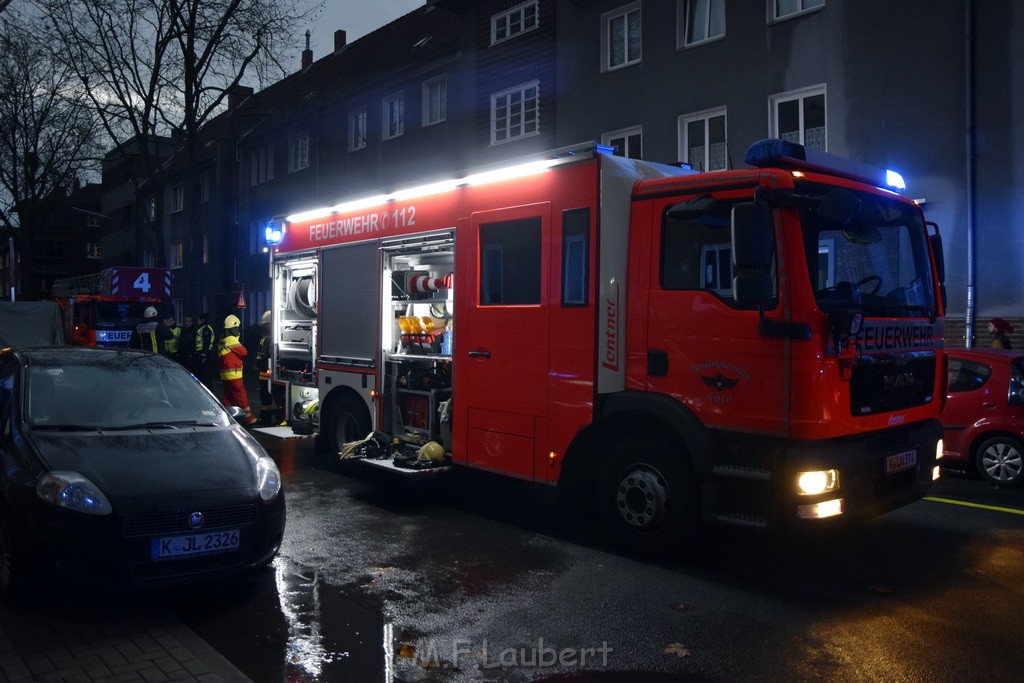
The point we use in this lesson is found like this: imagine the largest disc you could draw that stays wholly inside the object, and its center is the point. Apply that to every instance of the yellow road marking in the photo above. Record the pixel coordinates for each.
(1012, 511)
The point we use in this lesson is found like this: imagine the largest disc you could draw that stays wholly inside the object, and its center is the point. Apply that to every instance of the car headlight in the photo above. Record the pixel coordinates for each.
(72, 491)
(268, 476)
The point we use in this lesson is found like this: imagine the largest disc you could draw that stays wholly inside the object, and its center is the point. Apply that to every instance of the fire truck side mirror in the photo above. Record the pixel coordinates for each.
(752, 252)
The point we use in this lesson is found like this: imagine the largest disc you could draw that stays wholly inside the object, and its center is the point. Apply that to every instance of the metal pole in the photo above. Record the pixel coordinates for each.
(970, 152)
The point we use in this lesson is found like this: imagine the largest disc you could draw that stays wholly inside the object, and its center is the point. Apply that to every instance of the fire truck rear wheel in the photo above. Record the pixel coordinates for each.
(649, 497)
(344, 423)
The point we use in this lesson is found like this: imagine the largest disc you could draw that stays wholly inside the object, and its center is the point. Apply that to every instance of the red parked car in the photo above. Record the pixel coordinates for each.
(984, 414)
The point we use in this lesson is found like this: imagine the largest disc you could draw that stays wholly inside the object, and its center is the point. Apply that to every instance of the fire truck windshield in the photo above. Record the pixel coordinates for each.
(866, 252)
(118, 314)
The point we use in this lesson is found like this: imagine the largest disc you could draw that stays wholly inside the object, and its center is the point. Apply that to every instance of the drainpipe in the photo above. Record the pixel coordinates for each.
(970, 149)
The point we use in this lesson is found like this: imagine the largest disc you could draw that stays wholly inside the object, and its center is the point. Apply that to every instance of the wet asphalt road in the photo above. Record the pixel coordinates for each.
(480, 578)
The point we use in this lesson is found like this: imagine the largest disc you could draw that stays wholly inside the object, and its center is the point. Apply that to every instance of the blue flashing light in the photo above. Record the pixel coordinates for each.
(274, 232)
(894, 180)
(776, 153)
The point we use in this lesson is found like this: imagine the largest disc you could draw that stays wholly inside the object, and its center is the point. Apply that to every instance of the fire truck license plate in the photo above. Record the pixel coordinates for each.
(900, 461)
(195, 544)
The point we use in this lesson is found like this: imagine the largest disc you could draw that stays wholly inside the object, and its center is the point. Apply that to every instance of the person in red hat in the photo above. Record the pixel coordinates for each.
(998, 329)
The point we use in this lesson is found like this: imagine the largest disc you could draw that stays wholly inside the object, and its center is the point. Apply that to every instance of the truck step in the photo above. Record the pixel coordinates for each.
(388, 464)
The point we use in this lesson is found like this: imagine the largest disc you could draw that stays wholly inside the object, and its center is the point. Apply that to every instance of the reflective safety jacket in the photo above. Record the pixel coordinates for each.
(172, 341)
(263, 359)
(231, 354)
(205, 337)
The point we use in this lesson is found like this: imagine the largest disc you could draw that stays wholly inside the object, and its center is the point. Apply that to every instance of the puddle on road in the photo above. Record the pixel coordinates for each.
(287, 625)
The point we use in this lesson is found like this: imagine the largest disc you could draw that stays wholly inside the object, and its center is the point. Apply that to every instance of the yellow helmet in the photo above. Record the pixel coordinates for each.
(232, 321)
(431, 450)
(265, 318)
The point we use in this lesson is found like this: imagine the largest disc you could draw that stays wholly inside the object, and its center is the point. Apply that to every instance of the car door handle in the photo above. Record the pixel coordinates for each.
(479, 354)
(986, 404)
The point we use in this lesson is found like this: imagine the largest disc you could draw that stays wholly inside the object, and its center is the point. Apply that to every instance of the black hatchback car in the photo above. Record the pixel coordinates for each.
(119, 467)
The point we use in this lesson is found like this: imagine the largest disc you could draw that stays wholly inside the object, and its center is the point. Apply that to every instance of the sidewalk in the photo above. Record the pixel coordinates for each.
(64, 642)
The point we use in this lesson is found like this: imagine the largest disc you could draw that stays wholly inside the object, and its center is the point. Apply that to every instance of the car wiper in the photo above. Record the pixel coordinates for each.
(161, 424)
(66, 428)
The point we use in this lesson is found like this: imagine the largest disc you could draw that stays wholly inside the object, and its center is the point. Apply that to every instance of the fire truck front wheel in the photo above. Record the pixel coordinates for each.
(649, 496)
(345, 422)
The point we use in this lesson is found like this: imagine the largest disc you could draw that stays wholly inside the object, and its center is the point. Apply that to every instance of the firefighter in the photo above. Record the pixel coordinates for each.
(149, 334)
(187, 344)
(267, 406)
(231, 354)
(203, 359)
(171, 343)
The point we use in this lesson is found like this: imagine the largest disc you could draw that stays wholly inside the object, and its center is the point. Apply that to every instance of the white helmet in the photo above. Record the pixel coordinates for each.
(150, 312)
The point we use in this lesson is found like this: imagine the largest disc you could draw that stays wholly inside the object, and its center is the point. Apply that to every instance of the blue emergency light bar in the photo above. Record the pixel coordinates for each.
(776, 153)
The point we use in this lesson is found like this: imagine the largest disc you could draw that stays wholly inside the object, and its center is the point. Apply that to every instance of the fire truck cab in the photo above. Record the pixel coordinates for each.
(102, 309)
(760, 347)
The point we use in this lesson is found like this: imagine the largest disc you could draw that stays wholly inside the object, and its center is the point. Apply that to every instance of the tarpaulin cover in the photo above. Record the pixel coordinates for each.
(30, 323)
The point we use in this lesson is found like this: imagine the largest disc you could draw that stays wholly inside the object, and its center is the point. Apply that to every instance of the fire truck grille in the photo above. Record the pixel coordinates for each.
(885, 383)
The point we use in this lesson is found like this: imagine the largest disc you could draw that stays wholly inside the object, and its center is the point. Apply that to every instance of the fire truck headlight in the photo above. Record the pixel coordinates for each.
(935, 473)
(939, 448)
(819, 481)
(828, 508)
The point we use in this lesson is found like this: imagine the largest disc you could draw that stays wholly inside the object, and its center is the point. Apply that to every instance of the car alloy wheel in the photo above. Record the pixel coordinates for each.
(1001, 461)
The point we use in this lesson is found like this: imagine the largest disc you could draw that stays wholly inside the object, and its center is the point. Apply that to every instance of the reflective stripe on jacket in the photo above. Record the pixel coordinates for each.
(204, 338)
(231, 354)
(172, 342)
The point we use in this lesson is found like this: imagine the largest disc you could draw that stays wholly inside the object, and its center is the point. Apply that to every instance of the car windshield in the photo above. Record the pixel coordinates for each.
(134, 391)
(866, 252)
(119, 314)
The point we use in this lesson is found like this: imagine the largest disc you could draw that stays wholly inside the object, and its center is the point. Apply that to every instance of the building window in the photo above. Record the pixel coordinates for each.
(515, 113)
(177, 255)
(782, 9)
(699, 21)
(620, 37)
(627, 142)
(357, 130)
(298, 152)
(435, 100)
(206, 247)
(702, 141)
(262, 168)
(204, 187)
(150, 209)
(393, 116)
(519, 19)
(177, 199)
(799, 116)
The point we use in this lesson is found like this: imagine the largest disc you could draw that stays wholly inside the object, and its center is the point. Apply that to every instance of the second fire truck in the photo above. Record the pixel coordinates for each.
(759, 347)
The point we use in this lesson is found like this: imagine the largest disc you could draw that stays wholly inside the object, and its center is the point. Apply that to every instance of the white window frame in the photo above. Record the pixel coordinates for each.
(298, 152)
(357, 129)
(800, 95)
(438, 85)
(514, 21)
(502, 99)
(392, 106)
(206, 247)
(177, 198)
(684, 137)
(625, 133)
(177, 255)
(683, 23)
(606, 42)
(803, 7)
(262, 165)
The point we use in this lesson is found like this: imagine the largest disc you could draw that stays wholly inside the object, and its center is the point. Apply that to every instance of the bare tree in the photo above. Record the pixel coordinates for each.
(48, 131)
(165, 67)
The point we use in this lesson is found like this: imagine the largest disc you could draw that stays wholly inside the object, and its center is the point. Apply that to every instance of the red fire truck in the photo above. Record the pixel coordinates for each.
(102, 309)
(760, 347)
